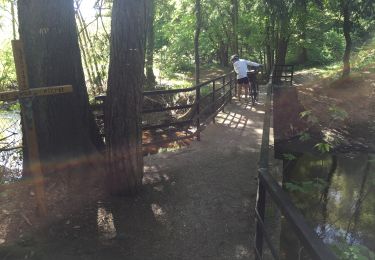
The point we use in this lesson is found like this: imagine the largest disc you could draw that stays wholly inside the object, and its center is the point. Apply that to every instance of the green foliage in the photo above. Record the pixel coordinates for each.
(304, 136)
(337, 113)
(306, 186)
(289, 156)
(353, 252)
(323, 147)
(309, 116)
(8, 76)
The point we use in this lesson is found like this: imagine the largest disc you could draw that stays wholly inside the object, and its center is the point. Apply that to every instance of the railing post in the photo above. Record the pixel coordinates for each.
(230, 88)
(223, 93)
(235, 86)
(213, 99)
(197, 101)
(260, 208)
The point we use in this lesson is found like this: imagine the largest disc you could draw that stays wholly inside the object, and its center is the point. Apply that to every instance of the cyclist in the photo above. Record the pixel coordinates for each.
(240, 67)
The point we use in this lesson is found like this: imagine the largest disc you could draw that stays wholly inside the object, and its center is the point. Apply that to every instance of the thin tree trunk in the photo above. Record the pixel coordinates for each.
(234, 16)
(85, 46)
(13, 20)
(85, 60)
(196, 39)
(151, 79)
(96, 72)
(124, 96)
(348, 40)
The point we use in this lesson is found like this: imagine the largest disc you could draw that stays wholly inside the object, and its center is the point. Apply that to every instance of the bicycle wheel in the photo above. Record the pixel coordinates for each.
(256, 91)
(253, 94)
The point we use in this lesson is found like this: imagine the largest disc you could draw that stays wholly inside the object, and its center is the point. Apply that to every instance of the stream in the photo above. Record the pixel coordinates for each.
(10, 146)
(336, 195)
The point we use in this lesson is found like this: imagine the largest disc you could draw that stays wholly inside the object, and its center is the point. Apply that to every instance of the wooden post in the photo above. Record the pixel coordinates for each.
(29, 124)
(230, 88)
(213, 99)
(25, 95)
(235, 86)
(223, 92)
(197, 103)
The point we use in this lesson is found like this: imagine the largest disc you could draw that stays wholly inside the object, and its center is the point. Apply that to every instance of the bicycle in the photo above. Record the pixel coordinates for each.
(254, 86)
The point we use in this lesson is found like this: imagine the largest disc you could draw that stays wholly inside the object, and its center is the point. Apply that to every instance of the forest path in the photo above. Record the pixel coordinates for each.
(197, 202)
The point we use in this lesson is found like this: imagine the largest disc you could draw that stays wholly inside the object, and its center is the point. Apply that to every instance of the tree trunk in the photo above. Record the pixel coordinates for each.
(196, 39)
(234, 16)
(65, 126)
(124, 96)
(13, 20)
(150, 76)
(348, 40)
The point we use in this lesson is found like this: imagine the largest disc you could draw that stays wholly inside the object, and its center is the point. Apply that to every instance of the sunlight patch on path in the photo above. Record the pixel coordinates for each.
(106, 226)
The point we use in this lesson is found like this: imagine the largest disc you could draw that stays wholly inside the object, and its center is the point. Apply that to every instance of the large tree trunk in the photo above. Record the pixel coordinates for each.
(124, 96)
(64, 124)
(196, 39)
(348, 40)
(150, 76)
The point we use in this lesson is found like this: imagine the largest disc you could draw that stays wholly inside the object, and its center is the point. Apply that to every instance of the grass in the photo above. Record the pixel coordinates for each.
(361, 59)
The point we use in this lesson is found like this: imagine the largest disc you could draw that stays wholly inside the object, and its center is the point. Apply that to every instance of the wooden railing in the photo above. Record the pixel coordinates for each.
(268, 185)
(209, 98)
(282, 73)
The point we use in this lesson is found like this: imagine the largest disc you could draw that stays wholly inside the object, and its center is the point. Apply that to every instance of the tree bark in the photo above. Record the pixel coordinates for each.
(348, 40)
(65, 126)
(124, 96)
(196, 39)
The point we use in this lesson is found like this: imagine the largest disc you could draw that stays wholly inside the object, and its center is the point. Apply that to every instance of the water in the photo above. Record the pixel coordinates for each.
(336, 195)
(10, 146)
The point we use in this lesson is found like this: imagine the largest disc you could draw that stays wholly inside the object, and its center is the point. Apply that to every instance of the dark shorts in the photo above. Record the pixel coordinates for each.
(244, 80)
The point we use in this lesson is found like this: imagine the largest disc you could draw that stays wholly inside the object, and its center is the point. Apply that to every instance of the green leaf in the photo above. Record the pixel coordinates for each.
(323, 147)
(304, 137)
(305, 113)
(289, 156)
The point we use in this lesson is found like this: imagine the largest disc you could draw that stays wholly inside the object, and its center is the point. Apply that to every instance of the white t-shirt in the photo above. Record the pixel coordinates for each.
(240, 67)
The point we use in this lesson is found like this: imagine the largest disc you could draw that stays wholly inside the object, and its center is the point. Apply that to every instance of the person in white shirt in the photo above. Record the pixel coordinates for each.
(240, 67)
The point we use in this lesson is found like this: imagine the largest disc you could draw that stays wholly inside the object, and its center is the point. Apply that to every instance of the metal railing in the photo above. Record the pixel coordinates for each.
(205, 107)
(282, 73)
(267, 184)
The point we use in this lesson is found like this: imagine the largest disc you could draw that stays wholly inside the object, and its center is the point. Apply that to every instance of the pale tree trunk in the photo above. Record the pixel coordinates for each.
(150, 76)
(96, 73)
(198, 24)
(13, 20)
(124, 96)
(65, 126)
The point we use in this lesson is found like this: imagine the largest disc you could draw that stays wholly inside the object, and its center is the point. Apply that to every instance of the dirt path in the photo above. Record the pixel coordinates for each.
(197, 203)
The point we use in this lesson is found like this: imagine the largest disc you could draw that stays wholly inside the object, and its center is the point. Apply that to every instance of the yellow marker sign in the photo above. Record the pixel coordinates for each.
(14, 95)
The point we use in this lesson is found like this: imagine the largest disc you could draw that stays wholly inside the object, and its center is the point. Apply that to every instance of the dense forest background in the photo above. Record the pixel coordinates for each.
(304, 33)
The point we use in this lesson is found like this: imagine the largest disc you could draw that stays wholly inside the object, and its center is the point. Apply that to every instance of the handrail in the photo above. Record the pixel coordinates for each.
(219, 100)
(266, 183)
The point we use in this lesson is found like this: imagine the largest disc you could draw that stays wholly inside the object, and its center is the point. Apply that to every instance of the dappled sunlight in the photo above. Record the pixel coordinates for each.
(233, 120)
(106, 226)
(154, 177)
(242, 252)
(159, 213)
(4, 226)
(258, 130)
